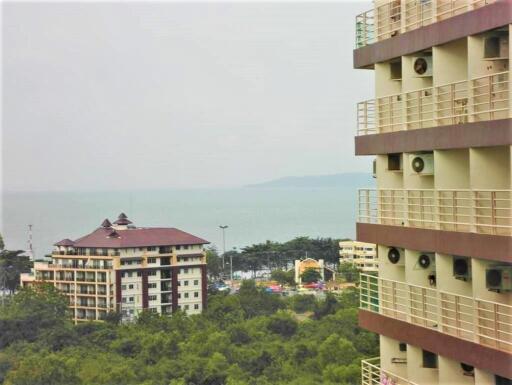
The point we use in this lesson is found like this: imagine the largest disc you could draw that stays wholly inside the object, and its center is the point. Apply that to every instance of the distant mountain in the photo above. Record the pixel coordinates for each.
(345, 180)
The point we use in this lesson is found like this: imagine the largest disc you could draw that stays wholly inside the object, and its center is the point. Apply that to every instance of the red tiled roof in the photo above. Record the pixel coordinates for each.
(65, 242)
(138, 237)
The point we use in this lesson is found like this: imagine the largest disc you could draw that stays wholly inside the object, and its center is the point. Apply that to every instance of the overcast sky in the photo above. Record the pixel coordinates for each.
(178, 95)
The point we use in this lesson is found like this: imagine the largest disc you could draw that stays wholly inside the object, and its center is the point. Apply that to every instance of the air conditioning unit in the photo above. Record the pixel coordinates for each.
(422, 66)
(467, 370)
(396, 256)
(426, 260)
(423, 164)
(499, 278)
(496, 47)
(462, 268)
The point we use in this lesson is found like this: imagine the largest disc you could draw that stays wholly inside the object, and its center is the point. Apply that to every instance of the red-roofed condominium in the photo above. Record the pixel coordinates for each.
(440, 129)
(120, 267)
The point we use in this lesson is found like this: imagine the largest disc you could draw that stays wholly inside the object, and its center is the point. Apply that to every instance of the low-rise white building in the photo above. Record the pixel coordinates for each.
(362, 255)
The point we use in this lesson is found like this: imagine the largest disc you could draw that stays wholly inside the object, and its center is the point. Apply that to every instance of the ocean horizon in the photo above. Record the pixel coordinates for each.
(253, 214)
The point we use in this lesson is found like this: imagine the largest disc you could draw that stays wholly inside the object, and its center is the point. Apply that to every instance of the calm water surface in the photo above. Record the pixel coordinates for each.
(253, 214)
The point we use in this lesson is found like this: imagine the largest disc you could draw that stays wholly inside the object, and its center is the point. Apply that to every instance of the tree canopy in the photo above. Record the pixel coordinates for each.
(271, 255)
(249, 338)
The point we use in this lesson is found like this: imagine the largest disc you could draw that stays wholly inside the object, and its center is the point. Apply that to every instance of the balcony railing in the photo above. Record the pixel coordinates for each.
(484, 322)
(372, 374)
(396, 17)
(479, 99)
(476, 211)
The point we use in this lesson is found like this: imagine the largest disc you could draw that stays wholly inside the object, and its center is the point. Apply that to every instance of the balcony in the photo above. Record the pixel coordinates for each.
(396, 17)
(372, 374)
(479, 99)
(484, 322)
(476, 211)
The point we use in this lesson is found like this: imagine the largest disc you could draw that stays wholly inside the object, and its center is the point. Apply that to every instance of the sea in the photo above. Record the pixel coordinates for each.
(252, 215)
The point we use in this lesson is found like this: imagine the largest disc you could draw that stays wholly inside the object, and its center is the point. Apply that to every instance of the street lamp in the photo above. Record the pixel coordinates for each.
(223, 228)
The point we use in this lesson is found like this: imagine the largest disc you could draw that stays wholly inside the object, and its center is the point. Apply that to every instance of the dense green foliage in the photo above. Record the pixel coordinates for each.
(310, 275)
(248, 338)
(283, 277)
(12, 264)
(348, 271)
(274, 255)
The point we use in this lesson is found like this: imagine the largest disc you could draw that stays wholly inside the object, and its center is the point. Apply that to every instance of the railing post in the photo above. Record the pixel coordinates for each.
(406, 207)
(408, 307)
(491, 113)
(493, 212)
(495, 319)
(476, 322)
(474, 211)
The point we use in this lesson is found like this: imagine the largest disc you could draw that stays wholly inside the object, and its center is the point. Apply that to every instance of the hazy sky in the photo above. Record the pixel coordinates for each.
(164, 95)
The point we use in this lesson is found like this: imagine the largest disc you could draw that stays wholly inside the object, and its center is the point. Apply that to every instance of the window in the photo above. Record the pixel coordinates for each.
(129, 274)
(123, 287)
(130, 299)
(152, 273)
(185, 247)
(196, 282)
(402, 346)
(151, 248)
(152, 285)
(152, 298)
(196, 306)
(124, 300)
(179, 295)
(429, 360)
(186, 307)
(152, 260)
(130, 287)
(139, 273)
(178, 247)
(196, 294)
(185, 283)
(186, 295)
(153, 310)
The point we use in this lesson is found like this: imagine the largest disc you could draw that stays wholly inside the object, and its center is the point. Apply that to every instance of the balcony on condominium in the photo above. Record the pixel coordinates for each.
(471, 318)
(373, 374)
(390, 18)
(464, 210)
(481, 98)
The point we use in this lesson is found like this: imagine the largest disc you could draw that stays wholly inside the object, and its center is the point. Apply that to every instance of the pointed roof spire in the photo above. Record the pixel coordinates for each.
(122, 219)
(113, 234)
(106, 223)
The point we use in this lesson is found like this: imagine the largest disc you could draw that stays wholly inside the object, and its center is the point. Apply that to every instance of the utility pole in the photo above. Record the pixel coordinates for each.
(30, 250)
(223, 228)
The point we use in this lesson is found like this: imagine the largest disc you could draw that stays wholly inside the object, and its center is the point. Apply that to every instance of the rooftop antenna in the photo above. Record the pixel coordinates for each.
(30, 250)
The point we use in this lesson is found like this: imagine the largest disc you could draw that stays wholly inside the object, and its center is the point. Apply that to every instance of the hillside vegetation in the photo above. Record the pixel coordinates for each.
(250, 338)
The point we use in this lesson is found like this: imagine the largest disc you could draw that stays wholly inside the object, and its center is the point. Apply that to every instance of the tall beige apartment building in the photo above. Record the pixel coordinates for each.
(124, 268)
(439, 126)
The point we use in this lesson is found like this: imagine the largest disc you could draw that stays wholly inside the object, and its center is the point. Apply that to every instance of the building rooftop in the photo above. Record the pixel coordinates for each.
(108, 237)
